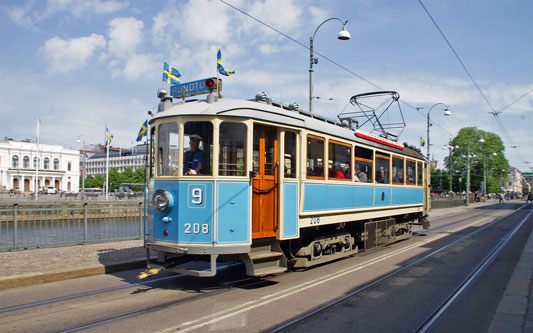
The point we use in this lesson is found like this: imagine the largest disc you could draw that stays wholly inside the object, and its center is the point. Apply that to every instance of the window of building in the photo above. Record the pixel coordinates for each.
(198, 148)
(15, 161)
(410, 172)
(69, 166)
(46, 163)
(232, 143)
(420, 174)
(397, 170)
(26, 162)
(339, 161)
(364, 158)
(289, 159)
(315, 157)
(167, 149)
(56, 164)
(382, 168)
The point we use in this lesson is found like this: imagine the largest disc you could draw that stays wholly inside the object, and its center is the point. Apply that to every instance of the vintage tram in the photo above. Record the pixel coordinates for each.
(272, 186)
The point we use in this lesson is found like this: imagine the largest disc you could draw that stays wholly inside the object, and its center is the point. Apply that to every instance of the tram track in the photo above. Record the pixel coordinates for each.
(435, 314)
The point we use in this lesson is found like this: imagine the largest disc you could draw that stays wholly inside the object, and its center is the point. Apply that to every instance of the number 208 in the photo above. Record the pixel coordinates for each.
(196, 228)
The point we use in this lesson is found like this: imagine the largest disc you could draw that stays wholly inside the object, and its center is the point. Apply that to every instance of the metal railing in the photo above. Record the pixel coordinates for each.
(42, 224)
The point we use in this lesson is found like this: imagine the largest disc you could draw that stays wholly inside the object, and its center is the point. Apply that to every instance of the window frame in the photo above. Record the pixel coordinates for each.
(246, 146)
(370, 178)
(379, 154)
(414, 176)
(403, 169)
(418, 164)
(335, 142)
(307, 176)
(294, 166)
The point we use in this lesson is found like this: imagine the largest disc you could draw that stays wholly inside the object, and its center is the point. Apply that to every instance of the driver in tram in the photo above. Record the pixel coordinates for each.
(194, 158)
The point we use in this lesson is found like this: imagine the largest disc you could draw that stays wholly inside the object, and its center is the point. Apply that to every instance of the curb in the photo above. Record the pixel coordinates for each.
(39, 278)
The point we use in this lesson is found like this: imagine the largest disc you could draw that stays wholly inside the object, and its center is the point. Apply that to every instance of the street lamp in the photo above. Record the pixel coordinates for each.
(343, 35)
(450, 160)
(84, 166)
(447, 112)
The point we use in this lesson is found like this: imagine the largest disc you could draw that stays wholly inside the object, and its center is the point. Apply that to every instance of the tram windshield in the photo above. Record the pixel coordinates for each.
(167, 149)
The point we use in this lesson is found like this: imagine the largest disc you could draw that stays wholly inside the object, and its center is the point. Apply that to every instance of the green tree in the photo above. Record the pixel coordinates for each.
(486, 152)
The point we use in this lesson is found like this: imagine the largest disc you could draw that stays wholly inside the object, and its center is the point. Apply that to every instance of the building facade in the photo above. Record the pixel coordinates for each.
(22, 163)
(134, 158)
(514, 181)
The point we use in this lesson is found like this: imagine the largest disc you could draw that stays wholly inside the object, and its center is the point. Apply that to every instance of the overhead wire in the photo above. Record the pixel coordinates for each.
(493, 111)
(326, 58)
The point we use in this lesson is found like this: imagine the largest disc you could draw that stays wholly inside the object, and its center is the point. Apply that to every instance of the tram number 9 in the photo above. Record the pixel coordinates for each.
(196, 196)
(314, 220)
(196, 228)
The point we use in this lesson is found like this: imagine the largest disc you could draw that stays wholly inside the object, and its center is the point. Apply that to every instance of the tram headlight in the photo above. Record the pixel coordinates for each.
(162, 200)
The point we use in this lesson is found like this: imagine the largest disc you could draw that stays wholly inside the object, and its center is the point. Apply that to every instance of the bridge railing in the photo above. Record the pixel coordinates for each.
(27, 224)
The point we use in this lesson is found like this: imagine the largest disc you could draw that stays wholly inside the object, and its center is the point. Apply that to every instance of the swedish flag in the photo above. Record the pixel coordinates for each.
(171, 75)
(220, 68)
(108, 138)
(143, 131)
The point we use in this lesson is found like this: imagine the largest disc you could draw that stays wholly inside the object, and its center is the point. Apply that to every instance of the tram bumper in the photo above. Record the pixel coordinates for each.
(185, 254)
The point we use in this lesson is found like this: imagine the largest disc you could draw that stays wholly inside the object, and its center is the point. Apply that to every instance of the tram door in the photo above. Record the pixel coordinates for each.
(265, 186)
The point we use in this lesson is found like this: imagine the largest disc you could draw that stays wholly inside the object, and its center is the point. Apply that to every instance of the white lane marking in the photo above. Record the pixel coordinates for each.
(264, 300)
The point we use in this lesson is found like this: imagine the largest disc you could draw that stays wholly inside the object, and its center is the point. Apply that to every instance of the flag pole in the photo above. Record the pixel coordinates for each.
(37, 162)
(108, 145)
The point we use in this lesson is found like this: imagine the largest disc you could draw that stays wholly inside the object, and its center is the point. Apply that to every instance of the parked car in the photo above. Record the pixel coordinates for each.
(50, 190)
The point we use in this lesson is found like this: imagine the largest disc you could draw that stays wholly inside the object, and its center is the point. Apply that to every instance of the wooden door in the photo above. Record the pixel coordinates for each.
(265, 182)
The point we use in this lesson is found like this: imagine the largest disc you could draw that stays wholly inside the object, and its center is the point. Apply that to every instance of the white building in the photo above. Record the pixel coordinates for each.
(58, 166)
(134, 158)
(514, 181)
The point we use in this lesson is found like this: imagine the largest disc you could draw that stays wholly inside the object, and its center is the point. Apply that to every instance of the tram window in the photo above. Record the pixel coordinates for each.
(363, 164)
(339, 161)
(168, 143)
(232, 157)
(315, 157)
(382, 169)
(410, 172)
(420, 173)
(198, 148)
(397, 170)
(289, 160)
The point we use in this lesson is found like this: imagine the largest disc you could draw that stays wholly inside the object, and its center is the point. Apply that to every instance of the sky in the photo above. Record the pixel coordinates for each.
(80, 66)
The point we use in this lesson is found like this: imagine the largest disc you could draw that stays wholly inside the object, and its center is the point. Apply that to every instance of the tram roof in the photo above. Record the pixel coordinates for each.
(275, 112)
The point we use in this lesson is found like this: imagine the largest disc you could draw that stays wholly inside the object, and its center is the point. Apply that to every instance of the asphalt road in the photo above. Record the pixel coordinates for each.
(394, 288)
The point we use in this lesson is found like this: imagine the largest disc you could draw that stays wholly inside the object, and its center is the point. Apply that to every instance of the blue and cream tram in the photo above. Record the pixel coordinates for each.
(272, 186)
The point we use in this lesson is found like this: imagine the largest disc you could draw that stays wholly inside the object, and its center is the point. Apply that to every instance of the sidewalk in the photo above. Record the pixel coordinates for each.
(29, 267)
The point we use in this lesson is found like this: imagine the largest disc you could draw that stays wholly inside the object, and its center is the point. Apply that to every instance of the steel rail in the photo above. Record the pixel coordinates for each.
(382, 279)
(470, 278)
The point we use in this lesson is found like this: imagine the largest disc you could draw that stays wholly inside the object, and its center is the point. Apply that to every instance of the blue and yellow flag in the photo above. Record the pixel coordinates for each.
(170, 74)
(422, 142)
(220, 68)
(142, 131)
(108, 138)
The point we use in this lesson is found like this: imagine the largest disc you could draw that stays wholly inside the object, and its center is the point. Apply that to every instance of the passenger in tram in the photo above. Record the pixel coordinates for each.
(338, 171)
(381, 177)
(194, 158)
(360, 176)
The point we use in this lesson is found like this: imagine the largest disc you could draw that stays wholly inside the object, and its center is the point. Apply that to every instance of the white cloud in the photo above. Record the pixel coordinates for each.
(163, 22)
(20, 15)
(67, 55)
(139, 65)
(84, 7)
(318, 14)
(284, 15)
(125, 33)
(203, 21)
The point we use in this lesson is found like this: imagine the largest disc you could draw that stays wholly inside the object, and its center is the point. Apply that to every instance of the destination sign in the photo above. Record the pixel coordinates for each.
(194, 88)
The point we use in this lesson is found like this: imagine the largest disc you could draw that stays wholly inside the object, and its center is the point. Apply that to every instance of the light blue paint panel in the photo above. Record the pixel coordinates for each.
(407, 196)
(190, 219)
(339, 196)
(363, 196)
(290, 210)
(382, 196)
(233, 208)
(196, 212)
(315, 197)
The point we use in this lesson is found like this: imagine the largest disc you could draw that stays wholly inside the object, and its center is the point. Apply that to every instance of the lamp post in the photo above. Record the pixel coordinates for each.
(447, 112)
(343, 35)
(83, 168)
(450, 160)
